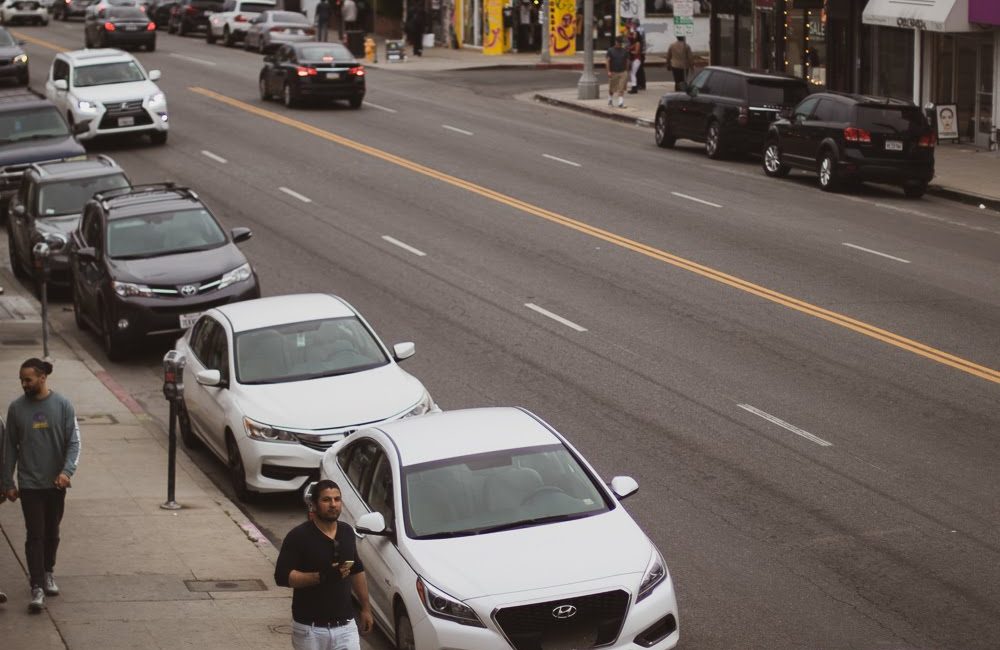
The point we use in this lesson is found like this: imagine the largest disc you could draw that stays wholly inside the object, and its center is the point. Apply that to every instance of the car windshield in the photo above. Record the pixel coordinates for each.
(306, 350)
(107, 73)
(163, 233)
(325, 53)
(889, 119)
(6, 40)
(127, 13)
(36, 124)
(499, 490)
(762, 93)
(255, 7)
(69, 197)
(288, 17)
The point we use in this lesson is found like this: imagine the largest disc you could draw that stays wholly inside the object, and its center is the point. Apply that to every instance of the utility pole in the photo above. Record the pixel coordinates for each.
(546, 57)
(587, 87)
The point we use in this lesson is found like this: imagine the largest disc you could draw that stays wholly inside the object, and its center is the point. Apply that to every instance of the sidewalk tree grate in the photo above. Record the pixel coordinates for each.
(203, 586)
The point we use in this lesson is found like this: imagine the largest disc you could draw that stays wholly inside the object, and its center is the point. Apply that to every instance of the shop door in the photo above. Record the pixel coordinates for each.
(984, 95)
(974, 90)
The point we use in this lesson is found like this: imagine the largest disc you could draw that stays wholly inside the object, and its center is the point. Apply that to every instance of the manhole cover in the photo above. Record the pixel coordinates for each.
(225, 585)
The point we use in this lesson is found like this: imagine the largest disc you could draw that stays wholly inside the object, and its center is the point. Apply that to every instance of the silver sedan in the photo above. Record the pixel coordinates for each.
(273, 28)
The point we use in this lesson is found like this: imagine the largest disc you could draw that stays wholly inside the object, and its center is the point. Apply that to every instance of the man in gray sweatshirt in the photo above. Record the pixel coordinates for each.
(42, 442)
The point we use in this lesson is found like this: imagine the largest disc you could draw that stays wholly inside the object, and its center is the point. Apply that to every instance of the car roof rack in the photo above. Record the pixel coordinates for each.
(147, 188)
(103, 158)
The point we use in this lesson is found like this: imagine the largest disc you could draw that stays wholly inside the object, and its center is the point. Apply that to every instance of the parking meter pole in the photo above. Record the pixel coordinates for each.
(40, 255)
(173, 390)
(587, 87)
(171, 503)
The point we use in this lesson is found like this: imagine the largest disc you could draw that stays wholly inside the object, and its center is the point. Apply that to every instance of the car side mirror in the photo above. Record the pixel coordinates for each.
(624, 486)
(87, 254)
(402, 351)
(240, 234)
(18, 211)
(372, 523)
(60, 84)
(154, 75)
(208, 377)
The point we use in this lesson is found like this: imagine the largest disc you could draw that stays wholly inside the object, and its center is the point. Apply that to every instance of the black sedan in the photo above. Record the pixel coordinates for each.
(322, 71)
(13, 60)
(119, 27)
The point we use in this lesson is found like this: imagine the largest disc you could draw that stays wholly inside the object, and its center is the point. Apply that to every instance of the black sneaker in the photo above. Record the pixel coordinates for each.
(37, 603)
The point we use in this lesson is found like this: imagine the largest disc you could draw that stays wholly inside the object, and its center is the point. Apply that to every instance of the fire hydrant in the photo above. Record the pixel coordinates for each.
(370, 53)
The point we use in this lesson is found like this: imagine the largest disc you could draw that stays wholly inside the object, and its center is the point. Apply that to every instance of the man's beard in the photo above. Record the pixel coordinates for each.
(327, 516)
(31, 391)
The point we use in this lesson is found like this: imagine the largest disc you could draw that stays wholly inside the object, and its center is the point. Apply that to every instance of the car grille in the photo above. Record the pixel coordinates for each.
(186, 290)
(131, 108)
(6, 61)
(123, 108)
(26, 6)
(596, 621)
(174, 308)
(321, 441)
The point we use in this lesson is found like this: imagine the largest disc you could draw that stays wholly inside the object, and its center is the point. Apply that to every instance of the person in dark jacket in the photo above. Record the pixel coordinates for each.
(322, 20)
(415, 24)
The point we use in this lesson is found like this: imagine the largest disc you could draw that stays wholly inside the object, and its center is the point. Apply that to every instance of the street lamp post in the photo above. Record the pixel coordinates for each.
(546, 57)
(587, 87)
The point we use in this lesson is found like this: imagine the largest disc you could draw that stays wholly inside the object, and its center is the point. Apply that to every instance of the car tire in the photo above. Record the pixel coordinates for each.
(356, 102)
(404, 633)
(209, 36)
(713, 140)
(771, 162)
(158, 138)
(227, 37)
(265, 95)
(16, 263)
(661, 131)
(114, 348)
(829, 177)
(81, 322)
(288, 96)
(237, 472)
(915, 190)
(191, 441)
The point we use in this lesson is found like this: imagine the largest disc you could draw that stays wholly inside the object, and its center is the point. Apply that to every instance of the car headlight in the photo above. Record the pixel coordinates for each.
(238, 274)
(439, 604)
(86, 106)
(656, 572)
(21, 58)
(267, 433)
(157, 99)
(128, 290)
(425, 404)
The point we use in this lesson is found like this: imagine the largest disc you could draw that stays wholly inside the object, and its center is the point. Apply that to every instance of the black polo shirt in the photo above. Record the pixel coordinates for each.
(307, 549)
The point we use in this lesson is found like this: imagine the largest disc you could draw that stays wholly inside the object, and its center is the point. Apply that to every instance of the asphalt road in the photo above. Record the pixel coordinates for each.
(803, 384)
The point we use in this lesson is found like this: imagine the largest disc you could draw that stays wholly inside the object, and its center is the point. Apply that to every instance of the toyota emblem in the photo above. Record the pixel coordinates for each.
(189, 290)
(124, 105)
(562, 612)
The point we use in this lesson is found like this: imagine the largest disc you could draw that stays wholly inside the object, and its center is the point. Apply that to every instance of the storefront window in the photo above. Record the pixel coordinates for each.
(893, 62)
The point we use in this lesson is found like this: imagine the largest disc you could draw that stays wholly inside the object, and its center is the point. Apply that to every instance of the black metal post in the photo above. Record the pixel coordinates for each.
(173, 390)
(172, 454)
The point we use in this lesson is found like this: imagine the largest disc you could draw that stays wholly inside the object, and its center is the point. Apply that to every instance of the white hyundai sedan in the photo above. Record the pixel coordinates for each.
(485, 529)
(274, 382)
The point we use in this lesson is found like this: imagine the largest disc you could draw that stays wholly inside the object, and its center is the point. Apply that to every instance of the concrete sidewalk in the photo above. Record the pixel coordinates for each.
(132, 575)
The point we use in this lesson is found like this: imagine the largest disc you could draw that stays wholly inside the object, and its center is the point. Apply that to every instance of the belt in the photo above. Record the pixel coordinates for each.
(328, 623)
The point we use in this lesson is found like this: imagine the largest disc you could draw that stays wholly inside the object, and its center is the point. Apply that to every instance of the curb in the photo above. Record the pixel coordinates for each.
(618, 117)
(967, 198)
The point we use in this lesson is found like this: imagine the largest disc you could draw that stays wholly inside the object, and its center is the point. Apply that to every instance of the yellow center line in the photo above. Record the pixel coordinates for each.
(842, 320)
(37, 41)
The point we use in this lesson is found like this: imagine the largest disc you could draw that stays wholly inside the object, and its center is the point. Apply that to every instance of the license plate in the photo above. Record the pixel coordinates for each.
(126, 121)
(295, 31)
(893, 145)
(131, 28)
(187, 320)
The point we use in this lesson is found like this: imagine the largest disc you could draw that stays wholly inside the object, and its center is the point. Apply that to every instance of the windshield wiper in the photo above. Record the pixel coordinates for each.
(526, 523)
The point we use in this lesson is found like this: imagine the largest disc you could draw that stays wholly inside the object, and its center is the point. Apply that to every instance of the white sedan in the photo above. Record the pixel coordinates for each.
(23, 11)
(484, 529)
(274, 382)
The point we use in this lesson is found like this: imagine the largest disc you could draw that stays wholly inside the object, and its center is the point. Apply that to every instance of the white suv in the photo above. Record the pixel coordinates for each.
(110, 91)
(232, 22)
(23, 11)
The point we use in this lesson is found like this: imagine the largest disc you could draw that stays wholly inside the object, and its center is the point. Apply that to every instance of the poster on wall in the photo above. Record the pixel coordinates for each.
(947, 122)
(493, 38)
(562, 27)
(683, 18)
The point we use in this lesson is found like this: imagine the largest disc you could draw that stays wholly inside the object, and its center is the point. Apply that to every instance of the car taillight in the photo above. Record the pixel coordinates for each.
(109, 27)
(744, 116)
(303, 71)
(310, 31)
(927, 140)
(854, 134)
(151, 27)
(191, 10)
(240, 18)
(276, 29)
(357, 71)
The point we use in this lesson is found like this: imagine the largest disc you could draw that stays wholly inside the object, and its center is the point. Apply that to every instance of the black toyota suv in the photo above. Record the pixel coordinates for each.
(727, 109)
(847, 138)
(191, 15)
(147, 260)
(48, 205)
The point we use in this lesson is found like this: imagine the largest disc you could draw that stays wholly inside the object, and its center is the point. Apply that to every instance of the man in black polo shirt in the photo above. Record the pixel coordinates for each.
(318, 560)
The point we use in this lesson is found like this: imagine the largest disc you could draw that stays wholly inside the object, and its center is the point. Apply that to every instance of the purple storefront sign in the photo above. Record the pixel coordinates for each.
(984, 11)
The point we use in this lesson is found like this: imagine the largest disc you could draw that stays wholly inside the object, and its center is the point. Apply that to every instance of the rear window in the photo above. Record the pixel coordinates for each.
(128, 13)
(288, 17)
(325, 53)
(255, 7)
(35, 124)
(889, 119)
(782, 94)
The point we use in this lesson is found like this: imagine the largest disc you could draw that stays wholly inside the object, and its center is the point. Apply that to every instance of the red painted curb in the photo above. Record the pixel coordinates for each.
(119, 391)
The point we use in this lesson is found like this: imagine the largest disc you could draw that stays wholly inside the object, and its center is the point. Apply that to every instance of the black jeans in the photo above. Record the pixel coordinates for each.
(678, 77)
(43, 511)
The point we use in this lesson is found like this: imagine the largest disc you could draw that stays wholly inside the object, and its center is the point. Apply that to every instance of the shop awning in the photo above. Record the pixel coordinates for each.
(931, 15)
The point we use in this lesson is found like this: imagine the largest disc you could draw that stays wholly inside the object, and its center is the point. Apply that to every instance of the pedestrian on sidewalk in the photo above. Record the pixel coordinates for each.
(318, 560)
(680, 61)
(634, 59)
(616, 63)
(640, 74)
(322, 20)
(3, 489)
(42, 442)
(415, 20)
(349, 14)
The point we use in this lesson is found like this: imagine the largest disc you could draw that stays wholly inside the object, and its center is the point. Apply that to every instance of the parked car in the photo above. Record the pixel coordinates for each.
(319, 71)
(13, 59)
(23, 11)
(273, 28)
(66, 9)
(853, 138)
(275, 382)
(159, 11)
(431, 497)
(727, 109)
(232, 22)
(110, 91)
(191, 15)
(47, 208)
(119, 27)
(147, 261)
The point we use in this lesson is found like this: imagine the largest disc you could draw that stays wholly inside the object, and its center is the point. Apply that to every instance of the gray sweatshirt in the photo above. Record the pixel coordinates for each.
(42, 440)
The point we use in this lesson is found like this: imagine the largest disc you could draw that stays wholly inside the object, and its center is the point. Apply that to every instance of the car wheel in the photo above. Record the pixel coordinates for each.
(237, 472)
(264, 93)
(661, 131)
(16, 264)
(209, 36)
(191, 441)
(288, 96)
(78, 318)
(356, 102)
(773, 166)
(915, 190)
(404, 633)
(713, 140)
(113, 346)
(829, 177)
(227, 38)
(158, 137)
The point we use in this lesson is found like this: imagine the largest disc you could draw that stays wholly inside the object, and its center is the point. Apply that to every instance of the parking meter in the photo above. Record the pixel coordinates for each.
(40, 257)
(173, 390)
(173, 375)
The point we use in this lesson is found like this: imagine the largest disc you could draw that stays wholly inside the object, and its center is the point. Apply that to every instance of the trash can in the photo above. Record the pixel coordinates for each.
(355, 41)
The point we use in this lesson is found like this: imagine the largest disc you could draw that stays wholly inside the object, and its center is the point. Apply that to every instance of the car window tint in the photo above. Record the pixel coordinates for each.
(92, 229)
(164, 233)
(360, 467)
(36, 124)
(126, 13)
(825, 111)
(775, 94)
(805, 109)
(288, 17)
(216, 350)
(380, 493)
(201, 334)
(229, 5)
(69, 197)
(107, 73)
(6, 40)
(326, 53)
(255, 7)
(706, 82)
(889, 119)
(725, 84)
(700, 79)
(60, 69)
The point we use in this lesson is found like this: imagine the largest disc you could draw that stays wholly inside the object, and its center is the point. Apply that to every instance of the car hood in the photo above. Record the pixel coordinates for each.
(63, 225)
(30, 151)
(331, 402)
(540, 557)
(10, 51)
(182, 268)
(111, 93)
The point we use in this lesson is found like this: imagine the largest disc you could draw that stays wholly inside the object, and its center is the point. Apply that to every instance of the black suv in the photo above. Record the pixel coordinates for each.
(148, 260)
(852, 138)
(727, 109)
(48, 205)
(191, 15)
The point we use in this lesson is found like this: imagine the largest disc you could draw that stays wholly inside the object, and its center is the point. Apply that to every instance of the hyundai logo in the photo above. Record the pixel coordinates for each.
(189, 290)
(563, 612)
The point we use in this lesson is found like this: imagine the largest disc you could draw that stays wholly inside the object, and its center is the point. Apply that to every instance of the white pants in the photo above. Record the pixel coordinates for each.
(307, 637)
(633, 69)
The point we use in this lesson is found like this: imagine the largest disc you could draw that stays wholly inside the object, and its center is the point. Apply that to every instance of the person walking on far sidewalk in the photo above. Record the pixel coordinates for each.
(318, 559)
(415, 27)
(616, 63)
(322, 20)
(680, 61)
(42, 442)
(348, 14)
(3, 489)
(634, 59)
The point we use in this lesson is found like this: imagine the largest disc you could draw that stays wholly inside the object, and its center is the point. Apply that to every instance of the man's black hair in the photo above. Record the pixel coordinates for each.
(325, 484)
(42, 367)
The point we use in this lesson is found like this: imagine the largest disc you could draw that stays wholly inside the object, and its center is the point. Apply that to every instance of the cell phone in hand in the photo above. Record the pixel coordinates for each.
(347, 563)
